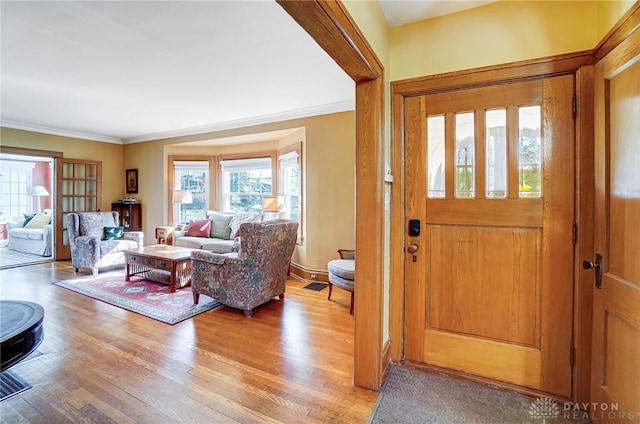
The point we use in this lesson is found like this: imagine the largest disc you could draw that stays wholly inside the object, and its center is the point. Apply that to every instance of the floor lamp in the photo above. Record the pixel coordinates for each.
(38, 191)
(182, 197)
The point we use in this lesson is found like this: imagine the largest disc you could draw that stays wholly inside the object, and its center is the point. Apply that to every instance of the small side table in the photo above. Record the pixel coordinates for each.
(163, 234)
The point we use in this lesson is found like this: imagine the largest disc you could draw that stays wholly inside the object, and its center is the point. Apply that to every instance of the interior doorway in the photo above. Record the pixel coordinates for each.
(27, 212)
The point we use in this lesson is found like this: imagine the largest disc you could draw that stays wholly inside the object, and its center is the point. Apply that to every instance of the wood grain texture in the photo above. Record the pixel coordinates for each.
(291, 362)
(331, 26)
(397, 244)
(497, 302)
(615, 367)
(369, 234)
(415, 170)
(584, 244)
(497, 273)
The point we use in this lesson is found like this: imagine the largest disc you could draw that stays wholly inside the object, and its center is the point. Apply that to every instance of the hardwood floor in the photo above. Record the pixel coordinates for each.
(292, 362)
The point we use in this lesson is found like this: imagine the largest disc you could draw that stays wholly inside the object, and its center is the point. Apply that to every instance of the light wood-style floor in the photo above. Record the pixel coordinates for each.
(292, 362)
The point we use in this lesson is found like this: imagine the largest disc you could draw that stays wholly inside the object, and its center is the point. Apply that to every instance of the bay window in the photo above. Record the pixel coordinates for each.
(245, 182)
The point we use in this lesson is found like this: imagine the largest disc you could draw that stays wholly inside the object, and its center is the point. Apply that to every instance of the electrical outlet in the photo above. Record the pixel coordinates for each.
(314, 276)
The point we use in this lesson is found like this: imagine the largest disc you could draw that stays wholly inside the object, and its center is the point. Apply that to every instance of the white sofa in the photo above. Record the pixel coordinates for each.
(36, 241)
(221, 237)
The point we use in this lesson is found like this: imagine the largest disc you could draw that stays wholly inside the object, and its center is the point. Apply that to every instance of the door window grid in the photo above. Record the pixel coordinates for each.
(529, 145)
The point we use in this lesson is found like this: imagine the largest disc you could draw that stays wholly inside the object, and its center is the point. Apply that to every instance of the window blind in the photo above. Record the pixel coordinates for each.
(245, 164)
(288, 159)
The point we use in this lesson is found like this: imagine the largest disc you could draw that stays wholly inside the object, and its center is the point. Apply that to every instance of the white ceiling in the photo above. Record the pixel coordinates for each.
(124, 71)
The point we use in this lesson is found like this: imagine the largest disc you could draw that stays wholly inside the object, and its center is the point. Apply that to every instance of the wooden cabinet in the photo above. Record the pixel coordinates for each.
(130, 215)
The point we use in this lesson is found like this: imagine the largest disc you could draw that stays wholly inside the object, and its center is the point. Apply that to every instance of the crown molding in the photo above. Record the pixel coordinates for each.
(247, 122)
(221, 126)
(59, 131)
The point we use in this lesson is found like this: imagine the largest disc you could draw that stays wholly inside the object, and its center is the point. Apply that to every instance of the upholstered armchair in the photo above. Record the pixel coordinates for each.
(90, 245)
(254, 274)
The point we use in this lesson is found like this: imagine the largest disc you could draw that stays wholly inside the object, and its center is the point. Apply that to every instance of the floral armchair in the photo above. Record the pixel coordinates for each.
(254, 274)
(90, 245)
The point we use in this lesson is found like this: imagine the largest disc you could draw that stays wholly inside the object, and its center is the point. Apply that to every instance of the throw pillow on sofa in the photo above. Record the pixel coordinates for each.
(38, 221)
(199, 228)
(27, 217)
(241, 218)
(220, 226)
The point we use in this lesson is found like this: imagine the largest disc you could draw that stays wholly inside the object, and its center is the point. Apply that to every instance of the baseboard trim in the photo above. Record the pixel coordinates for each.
(299, 272)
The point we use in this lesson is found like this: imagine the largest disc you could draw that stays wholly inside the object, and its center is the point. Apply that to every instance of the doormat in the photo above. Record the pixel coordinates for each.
(315, 286)
(11, 384)
(413, 396)
(148, 298)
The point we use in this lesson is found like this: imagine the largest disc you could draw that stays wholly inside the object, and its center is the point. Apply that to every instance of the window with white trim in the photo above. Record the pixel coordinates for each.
(191, 176)
(244, 182)
(15, 180)
(290, 184)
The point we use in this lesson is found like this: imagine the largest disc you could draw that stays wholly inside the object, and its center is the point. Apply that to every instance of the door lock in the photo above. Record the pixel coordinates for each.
(413, 248)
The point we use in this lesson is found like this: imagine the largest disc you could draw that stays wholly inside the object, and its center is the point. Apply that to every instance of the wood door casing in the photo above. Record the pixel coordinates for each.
(489, 291)
(78, 189)
(615, 369)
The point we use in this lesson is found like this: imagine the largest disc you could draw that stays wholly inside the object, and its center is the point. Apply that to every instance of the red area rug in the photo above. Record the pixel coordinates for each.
(153, 300)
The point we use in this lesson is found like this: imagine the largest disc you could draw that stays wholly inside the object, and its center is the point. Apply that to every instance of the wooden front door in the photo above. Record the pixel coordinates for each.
(489, 274)
(615, 369)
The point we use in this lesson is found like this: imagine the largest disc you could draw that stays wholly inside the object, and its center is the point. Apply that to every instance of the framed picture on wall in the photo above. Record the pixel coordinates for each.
(131, 175)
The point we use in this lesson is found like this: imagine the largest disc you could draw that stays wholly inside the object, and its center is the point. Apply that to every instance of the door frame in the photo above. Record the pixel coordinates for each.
(508, 73)
(580, 64)
(332, 27)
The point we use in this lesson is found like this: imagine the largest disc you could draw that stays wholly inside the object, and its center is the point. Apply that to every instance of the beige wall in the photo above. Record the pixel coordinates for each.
(328, 181)
(74, 148)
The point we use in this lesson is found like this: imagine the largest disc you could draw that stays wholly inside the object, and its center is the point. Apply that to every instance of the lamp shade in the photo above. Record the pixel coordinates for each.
(37, 190)
(184, 197)
(273, 204)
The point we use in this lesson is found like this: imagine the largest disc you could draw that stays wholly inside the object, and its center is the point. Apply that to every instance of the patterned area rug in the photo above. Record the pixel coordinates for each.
(153, 300)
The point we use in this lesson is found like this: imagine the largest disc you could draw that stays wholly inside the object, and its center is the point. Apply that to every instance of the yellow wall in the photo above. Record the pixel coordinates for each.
(328, 182)
(501, 32)
(75, 148)
(609, 13)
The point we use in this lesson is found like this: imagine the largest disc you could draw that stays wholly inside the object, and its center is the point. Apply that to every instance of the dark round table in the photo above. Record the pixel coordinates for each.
(21, 330)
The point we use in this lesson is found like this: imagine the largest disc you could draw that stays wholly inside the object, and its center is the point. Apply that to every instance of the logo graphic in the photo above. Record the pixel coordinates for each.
(544, 408)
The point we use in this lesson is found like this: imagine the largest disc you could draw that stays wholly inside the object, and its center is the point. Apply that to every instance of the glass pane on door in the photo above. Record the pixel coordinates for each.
(530, 151)
(496, 153)
(435, 156)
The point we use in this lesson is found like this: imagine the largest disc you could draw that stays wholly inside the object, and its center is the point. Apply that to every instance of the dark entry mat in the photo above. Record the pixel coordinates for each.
(315, 286)
(11, 384)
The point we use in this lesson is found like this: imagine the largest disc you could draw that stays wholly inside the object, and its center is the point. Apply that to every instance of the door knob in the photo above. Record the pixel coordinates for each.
(413, 248)
(588, 265)
(597, 266)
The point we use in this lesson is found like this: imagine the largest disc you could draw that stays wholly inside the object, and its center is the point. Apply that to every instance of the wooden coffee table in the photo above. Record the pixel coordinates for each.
(161, 263)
